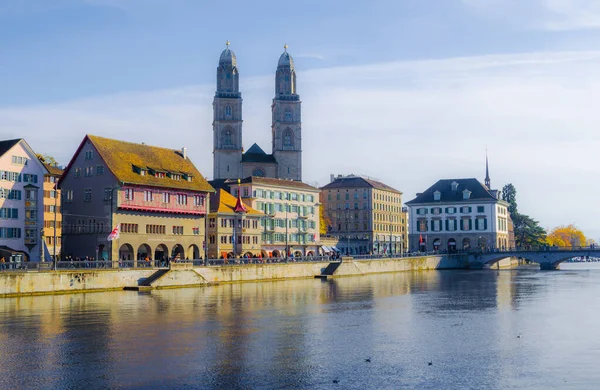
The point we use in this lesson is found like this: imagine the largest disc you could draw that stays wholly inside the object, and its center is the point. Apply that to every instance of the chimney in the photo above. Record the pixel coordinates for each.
(331, 178)
(184, 152)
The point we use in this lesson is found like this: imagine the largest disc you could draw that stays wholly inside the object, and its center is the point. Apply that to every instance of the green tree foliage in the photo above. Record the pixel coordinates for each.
(509, 195)
(528, 232)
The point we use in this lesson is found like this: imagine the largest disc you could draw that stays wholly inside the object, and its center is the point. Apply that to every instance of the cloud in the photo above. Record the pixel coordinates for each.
(542, 14)
(409, 123)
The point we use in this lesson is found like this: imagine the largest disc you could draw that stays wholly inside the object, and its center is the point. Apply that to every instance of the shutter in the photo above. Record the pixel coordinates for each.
(418, 226)
(470, 224)
(462, 224)
(470, 209)
(485, 224)
(447, 225)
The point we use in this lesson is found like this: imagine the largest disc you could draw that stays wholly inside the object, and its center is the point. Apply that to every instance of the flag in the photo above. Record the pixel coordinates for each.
(114, 234)
(420, 238)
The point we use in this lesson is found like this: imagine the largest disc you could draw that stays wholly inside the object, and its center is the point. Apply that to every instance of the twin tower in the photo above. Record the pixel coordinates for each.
(230, 160)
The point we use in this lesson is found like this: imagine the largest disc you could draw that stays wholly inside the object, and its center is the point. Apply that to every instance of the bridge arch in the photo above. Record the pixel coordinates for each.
(547, 259)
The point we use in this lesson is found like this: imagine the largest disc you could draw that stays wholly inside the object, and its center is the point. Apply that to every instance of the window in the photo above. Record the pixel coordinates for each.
(182, 199)
(147, 196)
(466, 194)
(227, 111)
(228, 138)
(89, 171)
(436, 210)
(422, 225)
(99, 170)
(437, 195)
(288, 139)
(129, 194)
(129, 227)
(87, 195)
(481, 224)
(18, 160)
(107, 193)
(77, 172)
(178, 230)
(450, 210)
(9, 213)
(258, 172)
(10, 233)
(211, 222)
(465, 209)
(451, 225)
(68, 196)
(480, 209)
(155, 229)
(436, 225)
(421, 211)
(288, 115)
(29, 178)
(245, 192)
(30, 195)
(166, 197)
(466, 224)
(89, 154)
(198, 200)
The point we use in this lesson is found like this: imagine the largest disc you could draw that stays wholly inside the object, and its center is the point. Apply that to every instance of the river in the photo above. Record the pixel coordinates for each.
(507, 329)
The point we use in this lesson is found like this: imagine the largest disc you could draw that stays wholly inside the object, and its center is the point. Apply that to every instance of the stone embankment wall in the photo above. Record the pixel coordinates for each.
(81, 280)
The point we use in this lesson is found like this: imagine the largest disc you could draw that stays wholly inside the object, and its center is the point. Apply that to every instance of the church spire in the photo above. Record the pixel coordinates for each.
(487, 172)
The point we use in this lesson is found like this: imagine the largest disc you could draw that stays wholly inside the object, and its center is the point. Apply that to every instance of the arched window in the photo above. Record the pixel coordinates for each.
(227, 111)
(288, 139)
(228, 138)
(288, 115)
(258, 172)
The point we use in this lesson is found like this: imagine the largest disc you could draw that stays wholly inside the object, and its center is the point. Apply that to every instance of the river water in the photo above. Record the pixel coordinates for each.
(310, 333)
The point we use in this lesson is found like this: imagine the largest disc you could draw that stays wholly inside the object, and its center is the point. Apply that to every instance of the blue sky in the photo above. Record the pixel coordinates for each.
(407, 91)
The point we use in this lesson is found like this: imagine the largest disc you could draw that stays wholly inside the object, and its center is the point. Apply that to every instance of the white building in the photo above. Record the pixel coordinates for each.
(21, 201)
(458, 214)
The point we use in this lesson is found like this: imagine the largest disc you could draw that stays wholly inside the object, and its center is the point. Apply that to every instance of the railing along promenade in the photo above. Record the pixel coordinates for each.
(158, 264)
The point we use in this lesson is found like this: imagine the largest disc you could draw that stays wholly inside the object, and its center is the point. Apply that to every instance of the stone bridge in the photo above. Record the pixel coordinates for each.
(548, 258)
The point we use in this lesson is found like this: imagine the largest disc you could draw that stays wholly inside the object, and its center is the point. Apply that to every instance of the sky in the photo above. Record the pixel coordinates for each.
(404, 91)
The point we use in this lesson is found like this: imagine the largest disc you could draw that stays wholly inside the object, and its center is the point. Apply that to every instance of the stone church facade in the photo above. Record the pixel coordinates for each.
(230, 160)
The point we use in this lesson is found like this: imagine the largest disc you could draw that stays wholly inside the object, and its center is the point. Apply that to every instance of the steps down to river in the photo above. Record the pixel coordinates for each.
(329, 270)
(154, 277)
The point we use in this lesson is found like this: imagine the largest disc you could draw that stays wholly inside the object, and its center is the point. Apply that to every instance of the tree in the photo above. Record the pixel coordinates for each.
(528, 232)
(509, 195)
(45, 158)
(568, 236)
(324, 222)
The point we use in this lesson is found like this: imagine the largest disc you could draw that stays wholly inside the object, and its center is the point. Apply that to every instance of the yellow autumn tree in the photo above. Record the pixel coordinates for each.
(324, 222)
(566, 236)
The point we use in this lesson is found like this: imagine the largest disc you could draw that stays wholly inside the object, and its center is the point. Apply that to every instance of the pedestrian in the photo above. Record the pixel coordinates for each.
(2, 263)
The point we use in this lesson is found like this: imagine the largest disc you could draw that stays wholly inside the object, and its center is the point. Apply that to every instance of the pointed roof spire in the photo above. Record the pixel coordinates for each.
(240, 207)
(487, 172)
(285, 46)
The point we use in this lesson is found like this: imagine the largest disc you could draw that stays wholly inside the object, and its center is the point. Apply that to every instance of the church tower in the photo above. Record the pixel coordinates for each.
(227, 119)
(287, 121)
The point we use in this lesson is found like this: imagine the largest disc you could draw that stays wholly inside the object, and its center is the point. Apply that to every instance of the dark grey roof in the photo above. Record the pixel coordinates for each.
(447, 194)
(358, 182)
(256, 154)
(6, 145)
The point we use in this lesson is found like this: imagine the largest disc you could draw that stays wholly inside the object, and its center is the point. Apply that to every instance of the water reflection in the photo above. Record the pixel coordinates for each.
(299, 334)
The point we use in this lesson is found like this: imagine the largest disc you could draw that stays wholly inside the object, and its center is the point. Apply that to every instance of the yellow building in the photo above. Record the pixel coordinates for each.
(52, 215)
(232, 223)
(365, 215)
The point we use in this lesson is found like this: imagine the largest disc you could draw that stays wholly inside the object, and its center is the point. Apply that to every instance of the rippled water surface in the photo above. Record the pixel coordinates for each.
(308, 333)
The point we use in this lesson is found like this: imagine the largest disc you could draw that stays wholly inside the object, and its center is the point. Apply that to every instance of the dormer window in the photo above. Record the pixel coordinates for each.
(437, 195)
(142, 172)
(454, 186)
(466, 194)
(175, 176)
(160, 175)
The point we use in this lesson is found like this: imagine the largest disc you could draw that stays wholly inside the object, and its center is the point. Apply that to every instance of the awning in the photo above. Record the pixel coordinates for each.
(335, 249)
(325, 249)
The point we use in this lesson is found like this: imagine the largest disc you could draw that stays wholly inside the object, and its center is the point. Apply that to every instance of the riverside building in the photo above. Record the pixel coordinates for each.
(366, 216)
(155, 197)
(21, 202)
(458, 214)
(52, 213)
(234, 229)
(291, 214)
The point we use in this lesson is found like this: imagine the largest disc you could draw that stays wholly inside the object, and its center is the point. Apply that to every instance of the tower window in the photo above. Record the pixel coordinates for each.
(228, 137)
(258, 172)
(288, 139)
(288, 115)
(227, 110)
